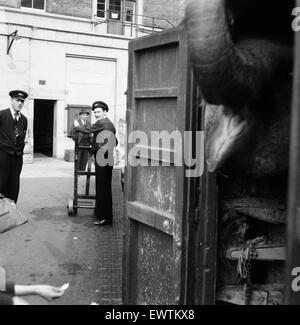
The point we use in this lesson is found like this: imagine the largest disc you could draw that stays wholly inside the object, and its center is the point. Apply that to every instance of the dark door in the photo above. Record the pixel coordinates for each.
(115, 17)
(43, 127)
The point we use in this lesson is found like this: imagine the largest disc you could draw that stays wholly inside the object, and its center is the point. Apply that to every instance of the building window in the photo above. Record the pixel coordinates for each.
(116, 9)
(34, 4)
(129, 10)
(101, 7)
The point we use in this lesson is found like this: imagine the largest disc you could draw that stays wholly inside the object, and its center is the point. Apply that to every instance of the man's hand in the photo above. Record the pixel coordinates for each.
(76, 123)
(49, 292)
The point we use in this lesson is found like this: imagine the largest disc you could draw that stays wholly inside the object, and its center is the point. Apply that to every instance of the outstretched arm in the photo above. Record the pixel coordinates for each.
(47, 292)
(9, 291)
(96, 127)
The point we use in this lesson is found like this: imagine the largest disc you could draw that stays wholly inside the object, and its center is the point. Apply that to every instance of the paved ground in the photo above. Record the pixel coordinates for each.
(55, 248)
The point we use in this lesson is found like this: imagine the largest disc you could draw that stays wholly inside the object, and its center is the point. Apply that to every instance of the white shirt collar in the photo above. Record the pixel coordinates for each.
(14, 112)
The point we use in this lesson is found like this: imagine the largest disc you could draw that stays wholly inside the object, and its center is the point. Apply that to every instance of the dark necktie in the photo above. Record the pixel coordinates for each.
(16, 131)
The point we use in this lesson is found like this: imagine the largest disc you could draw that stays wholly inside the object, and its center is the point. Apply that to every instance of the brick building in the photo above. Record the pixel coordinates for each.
(67, 54)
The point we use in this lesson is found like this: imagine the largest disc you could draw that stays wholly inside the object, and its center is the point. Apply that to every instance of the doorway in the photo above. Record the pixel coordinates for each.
(43, 127)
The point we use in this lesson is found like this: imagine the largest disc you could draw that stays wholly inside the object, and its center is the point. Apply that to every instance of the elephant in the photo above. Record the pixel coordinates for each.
(242, 56)
(241, 53)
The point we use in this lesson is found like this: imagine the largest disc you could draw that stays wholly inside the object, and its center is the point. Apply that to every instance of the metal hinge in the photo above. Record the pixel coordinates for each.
(195, 216)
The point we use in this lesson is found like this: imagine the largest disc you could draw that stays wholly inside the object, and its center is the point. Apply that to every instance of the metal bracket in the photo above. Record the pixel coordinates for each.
(10, 40)
(96, 21)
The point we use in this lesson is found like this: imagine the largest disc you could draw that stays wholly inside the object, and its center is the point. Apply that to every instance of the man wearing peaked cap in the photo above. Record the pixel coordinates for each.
(84, 111)
(100, 105)
(13, 128)
(84, 140)
(18, 94)
(104, 141)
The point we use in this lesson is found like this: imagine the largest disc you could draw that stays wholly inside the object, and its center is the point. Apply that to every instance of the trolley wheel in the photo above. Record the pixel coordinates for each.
(71, 210)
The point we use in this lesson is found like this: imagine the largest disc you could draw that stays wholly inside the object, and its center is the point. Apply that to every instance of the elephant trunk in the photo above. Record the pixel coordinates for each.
(228, 73)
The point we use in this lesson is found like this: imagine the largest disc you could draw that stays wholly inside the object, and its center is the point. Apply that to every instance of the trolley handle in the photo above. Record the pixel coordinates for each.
(84, 147)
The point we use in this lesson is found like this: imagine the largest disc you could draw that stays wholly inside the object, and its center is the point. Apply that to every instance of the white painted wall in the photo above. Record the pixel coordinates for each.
(90, 79)
(77, 68)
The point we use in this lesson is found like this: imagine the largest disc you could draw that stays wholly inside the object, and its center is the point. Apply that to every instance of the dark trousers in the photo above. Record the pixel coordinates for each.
(10, 170)
(103, 192)
(83, 157)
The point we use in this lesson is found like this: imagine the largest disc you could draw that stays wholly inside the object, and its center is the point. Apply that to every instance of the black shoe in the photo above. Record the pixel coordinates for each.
(102, 222)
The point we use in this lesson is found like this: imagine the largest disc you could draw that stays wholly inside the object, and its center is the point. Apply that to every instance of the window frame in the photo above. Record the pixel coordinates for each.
(112, 10)
(122, 11)
(34, 9)
(133, 14)
(105, 6)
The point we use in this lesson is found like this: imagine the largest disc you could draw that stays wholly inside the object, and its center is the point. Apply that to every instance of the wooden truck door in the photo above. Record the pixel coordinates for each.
(158, 99)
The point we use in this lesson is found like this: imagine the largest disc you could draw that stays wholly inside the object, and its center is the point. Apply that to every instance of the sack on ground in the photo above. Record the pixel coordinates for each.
(10, 216)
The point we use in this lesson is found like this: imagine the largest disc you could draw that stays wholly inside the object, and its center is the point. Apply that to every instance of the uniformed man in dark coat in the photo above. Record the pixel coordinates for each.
(83, 139)
(13, 128)
(104, 141)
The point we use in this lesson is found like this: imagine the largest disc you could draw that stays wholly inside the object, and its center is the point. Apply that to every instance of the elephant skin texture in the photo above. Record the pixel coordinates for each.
(242, 56)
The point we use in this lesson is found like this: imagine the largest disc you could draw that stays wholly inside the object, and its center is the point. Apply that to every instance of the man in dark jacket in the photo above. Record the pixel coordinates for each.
(104, 141)
(13, 127)
(83, 139)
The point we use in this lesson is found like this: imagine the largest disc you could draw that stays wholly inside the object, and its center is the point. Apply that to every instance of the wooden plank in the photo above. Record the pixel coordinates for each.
(130, 251)
(156, 187)
(191, 255)
(206, 233)
(84, 206)
(152, 217)
(87, 197)
(182, 107)
(208, 263)
(131, 121)
(156, 40)
(158, 68)
(156, 154)
(87, 202)
(262, 253)
(156, 93)
(268, 210)
(86, 173)
(271, 294)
